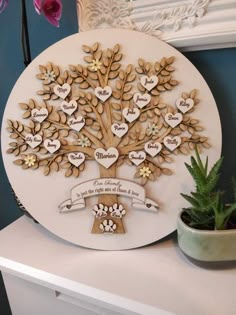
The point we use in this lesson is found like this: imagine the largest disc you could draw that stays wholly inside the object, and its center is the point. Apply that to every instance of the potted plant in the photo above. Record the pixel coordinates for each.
(207, 229)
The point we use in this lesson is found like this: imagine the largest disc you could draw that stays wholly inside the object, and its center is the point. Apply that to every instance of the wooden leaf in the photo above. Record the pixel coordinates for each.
(157, 66)
(26, 114)
(14, 136)
(131, 77)
(127, 88)
(170, 60)
(174, 82)
(166, 171)
(184, 150)
(84, 85)
(95, 47)
(68, 173)
(96, 126)
(79, 80)
(10, 150)
(113, 75)
(32, 103)
(59, 159)
(127, 97)
(118, 57)
(55, 116)
(116, 48)
(141, 62)
(93, 75)
(86, 48)
(88, 59)
(23, 106)
(139, 70)
(18, 162)
(121, 75)
(100, 108)
(103, 70)
(161, 88)
(193, 93)
(105, 61)
(116, 106)
(117, 116)
(55, 166)
(116, 94)
(115, 66)
(46, 170)
(75, 172)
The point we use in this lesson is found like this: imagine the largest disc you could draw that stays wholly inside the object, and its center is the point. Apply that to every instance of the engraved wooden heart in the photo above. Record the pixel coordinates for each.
(172, 143)
(76, 158)
(119, 129)
(173, 119)
(153, 148)
(106, 157)
(52, 145)
(76, 123)
(62, 90)
(131, 114)
(137, 157)
(103, 93)
(149, 82)
(39, 114)
(141, 100)
(69, 107)
(184, 105)
(33, 140)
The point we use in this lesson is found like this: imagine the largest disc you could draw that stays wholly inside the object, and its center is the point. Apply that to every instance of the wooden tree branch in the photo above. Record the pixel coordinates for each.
(91, 137)
(76, 148)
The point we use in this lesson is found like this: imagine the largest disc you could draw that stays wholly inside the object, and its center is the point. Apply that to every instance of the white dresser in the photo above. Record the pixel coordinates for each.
(45, 275)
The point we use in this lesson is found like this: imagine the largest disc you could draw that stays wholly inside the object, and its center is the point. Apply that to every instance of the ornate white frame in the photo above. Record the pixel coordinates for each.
(185, 24)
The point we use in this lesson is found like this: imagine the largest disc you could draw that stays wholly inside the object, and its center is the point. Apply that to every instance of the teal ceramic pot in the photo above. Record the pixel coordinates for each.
(209, 246)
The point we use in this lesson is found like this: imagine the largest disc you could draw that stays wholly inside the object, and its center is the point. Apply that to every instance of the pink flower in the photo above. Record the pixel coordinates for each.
(51, 9)
(3, 4)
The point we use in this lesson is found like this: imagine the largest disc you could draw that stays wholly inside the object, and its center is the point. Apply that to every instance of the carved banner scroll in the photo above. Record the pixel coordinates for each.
(101, 186)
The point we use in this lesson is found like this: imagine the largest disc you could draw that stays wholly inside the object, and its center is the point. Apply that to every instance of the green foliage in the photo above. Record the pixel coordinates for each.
(207, 210)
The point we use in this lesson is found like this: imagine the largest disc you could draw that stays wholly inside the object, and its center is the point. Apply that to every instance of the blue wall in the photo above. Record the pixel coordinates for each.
(218, 67)
(42, 35)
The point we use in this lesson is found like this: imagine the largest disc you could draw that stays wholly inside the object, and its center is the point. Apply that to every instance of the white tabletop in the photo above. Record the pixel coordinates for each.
(146, 280)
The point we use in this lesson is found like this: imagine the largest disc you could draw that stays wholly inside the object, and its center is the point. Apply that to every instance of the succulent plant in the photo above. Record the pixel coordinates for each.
(208, 210)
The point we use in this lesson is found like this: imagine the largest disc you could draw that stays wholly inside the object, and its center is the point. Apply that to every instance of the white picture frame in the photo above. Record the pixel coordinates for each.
(185, 24)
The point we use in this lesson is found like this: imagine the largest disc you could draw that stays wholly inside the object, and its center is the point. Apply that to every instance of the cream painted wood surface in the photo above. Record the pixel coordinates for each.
(156, 279)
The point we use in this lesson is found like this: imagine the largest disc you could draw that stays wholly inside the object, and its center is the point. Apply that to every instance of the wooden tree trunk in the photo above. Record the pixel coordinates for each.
(108, 200)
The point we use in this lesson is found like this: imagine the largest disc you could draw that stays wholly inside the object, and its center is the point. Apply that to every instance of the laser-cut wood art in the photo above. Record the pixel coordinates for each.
(108, 113)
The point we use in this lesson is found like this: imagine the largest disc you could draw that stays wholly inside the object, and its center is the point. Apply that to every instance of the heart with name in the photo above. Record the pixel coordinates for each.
(153, 148)
(76, 123)
(103, 93)
(184, 105)
(149, 82)
(119, 129)
(106, 157)
(76, 158)
(141, 100)
(69, 107)
(173, 119)
(52, 145)
(137, 157)
(131, 114)
(33, 140)
(172, 143)
(39, 114)
(62, 90)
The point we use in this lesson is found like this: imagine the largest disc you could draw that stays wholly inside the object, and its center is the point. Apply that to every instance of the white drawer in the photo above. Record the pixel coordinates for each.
(27, 298)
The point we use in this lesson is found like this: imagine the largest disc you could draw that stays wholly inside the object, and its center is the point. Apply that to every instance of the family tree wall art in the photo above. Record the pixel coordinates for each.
(110, 113)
